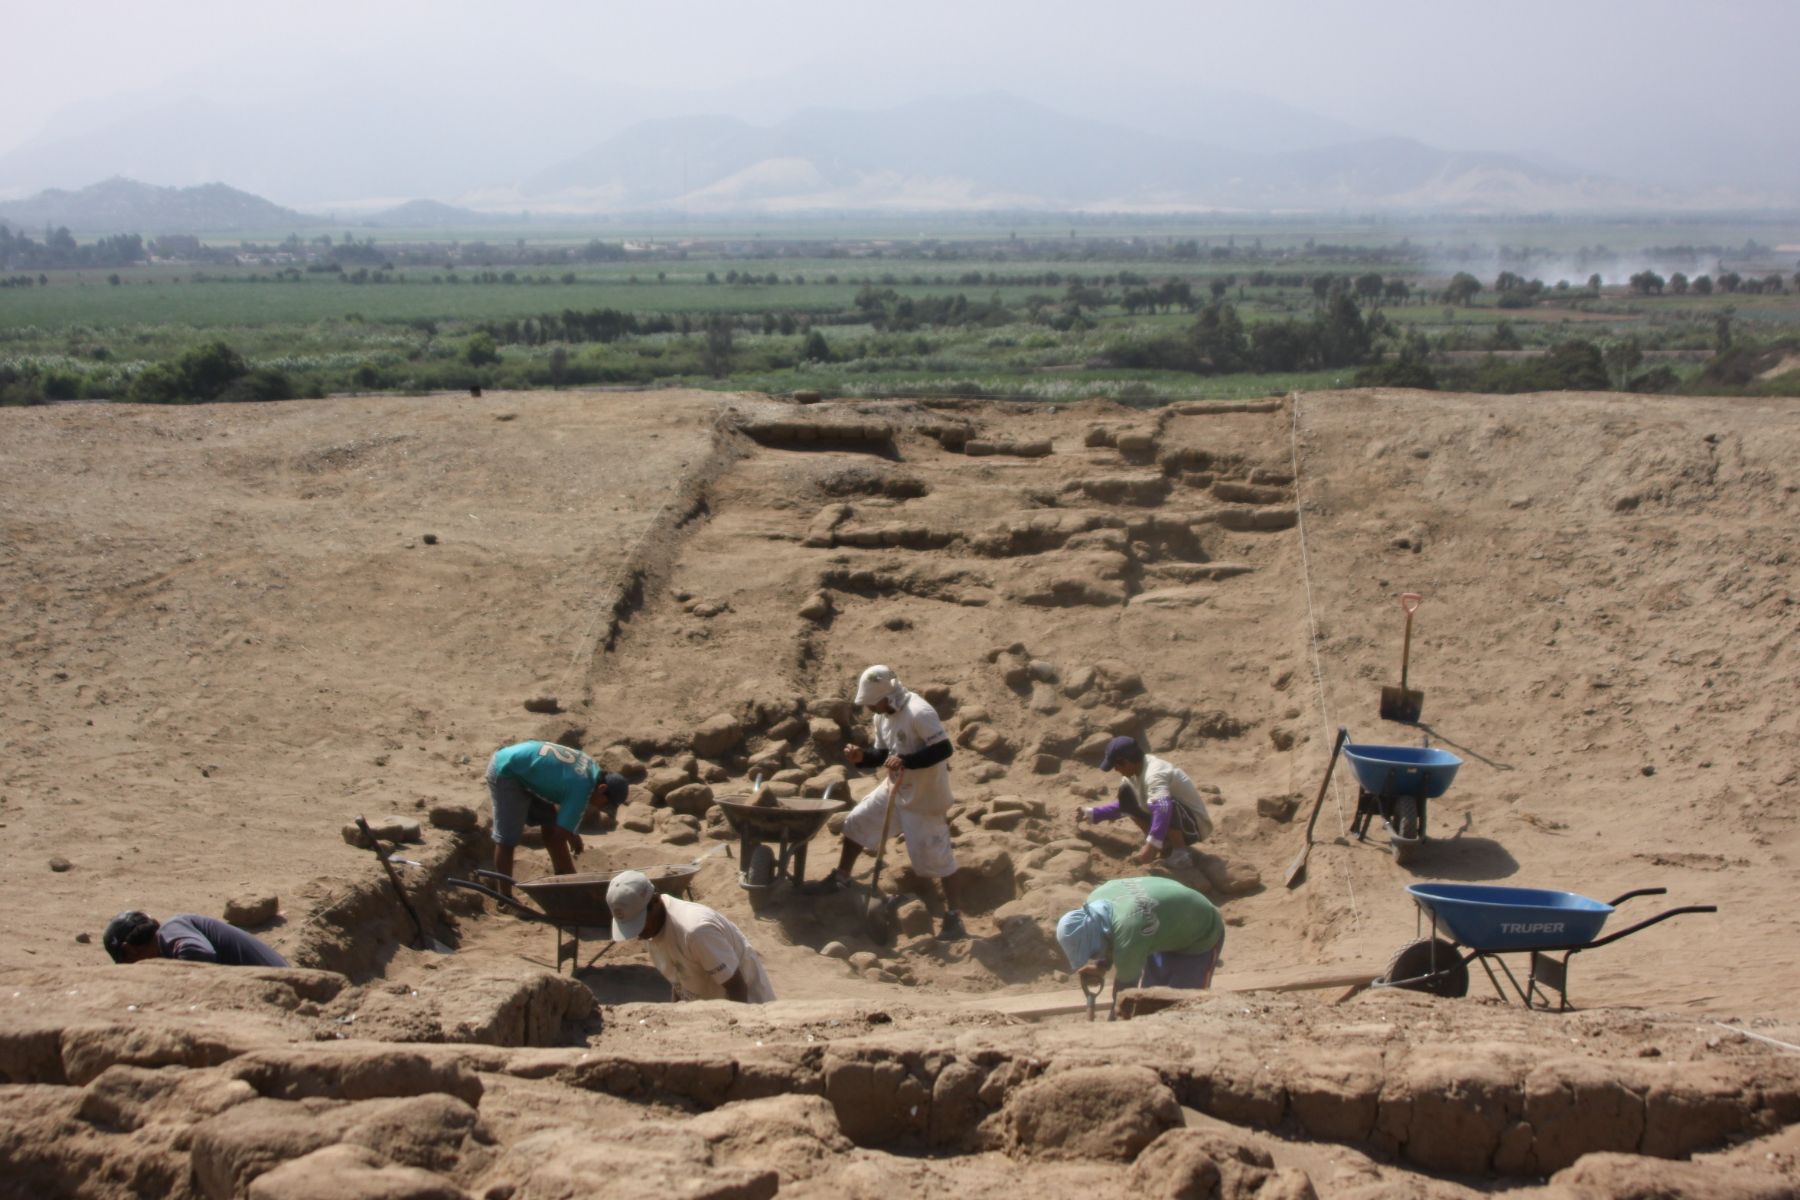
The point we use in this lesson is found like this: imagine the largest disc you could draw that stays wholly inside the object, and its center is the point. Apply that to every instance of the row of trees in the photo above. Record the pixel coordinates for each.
(59, 249)
(1218, 343)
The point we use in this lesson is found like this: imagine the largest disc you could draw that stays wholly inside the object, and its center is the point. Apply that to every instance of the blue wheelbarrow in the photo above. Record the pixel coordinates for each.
(1395, 783)
(1473, 922)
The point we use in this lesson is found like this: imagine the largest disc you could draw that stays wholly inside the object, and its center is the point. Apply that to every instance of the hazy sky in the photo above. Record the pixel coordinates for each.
(1601, 83)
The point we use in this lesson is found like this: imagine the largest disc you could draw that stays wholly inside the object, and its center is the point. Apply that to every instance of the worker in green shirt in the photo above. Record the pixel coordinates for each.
(1151, 932)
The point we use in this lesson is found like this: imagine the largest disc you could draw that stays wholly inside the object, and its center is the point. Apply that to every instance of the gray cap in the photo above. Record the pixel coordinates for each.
(628, 897)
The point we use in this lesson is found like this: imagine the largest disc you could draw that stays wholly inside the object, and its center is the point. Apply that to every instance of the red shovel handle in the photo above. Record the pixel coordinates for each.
(1409, 602)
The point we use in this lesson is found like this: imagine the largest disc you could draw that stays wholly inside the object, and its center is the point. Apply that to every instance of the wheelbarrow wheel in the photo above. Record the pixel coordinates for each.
(1411, 968)
(1406, 817)
(760, 870)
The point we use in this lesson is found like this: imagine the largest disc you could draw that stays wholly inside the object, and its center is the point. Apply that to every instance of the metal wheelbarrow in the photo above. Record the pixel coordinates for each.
(1395, 783)
(1484, 922)
(772, 838)
(572, 903)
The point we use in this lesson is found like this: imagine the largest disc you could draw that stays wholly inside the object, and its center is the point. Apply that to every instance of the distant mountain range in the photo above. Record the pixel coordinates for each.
(997, 151)
(126, 206)
(989, 152)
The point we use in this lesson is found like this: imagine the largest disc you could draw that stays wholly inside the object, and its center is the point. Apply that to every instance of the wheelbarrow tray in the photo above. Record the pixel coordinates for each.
(1402, 770)
(581, 899)
(795, 819)
(1494, 919)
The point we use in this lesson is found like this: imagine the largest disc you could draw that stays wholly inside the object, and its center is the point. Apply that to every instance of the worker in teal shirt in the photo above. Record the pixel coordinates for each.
(1152, 932)
(550, 786)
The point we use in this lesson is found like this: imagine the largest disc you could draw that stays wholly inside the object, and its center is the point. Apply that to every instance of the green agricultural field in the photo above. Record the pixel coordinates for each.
(1042, 308)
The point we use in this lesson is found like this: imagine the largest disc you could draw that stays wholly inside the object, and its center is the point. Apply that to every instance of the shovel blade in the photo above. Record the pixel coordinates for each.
(883, 920)
(1296, 872)
(1402, 704)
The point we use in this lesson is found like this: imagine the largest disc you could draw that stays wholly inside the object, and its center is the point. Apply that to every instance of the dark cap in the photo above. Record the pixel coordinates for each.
(1125, 748)
(131, 928)
(614, 787)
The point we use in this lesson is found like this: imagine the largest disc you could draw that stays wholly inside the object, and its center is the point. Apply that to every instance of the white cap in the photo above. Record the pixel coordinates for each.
(628, 898)
(876, 684)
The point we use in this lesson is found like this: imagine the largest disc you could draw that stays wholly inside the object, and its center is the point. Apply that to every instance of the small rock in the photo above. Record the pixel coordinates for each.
(1045, 764)
(835, 950)
(1647, 769)
(690, 799)
(1001, 822)
(681, 835)
(1518, 502)
(459, 817)
(430, 539)
(248, 912)
(817, 607)
(638, 822)
(1042, 670)
(717, 735)
(915, 918)
(1281, 737)
(709, 608)
(543, 704)
(58, 863)
(864, 960)
(1277, 808)
(83, 938)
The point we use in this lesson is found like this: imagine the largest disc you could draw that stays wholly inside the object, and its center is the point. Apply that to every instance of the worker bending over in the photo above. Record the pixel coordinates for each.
(1151, 932)
(699, 951)
(134, 936)
(1159, 799)
(911, 744)
(549, 786)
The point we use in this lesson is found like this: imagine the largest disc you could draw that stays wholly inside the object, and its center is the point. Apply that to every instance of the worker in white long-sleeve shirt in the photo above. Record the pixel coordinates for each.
(911, 744)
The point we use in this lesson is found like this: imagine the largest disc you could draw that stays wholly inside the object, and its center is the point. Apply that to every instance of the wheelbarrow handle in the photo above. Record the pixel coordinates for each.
(524, 910)
(484, 873)
(1649, 921)
(1636, 892)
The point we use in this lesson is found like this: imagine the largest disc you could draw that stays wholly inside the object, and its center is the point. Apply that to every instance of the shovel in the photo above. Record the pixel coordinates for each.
(1296, 872)
(426, 941)
(1092, 994)
(1403, 703)
(884, 921)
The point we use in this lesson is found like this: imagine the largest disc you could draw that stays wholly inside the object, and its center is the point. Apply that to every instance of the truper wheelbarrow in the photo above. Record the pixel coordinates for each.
(789, 824)
(1484, 922)
(572, 903)
(1395, 783)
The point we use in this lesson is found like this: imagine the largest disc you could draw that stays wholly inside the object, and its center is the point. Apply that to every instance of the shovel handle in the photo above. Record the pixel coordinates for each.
(1409, 604)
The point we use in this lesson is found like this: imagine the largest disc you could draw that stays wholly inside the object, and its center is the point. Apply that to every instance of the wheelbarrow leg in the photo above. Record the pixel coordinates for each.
(798, 875)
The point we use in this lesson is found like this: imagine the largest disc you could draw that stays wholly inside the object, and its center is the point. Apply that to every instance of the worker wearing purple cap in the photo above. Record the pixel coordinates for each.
(1159, 799)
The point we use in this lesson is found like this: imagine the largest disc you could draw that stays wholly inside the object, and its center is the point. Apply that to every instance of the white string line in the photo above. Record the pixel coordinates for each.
(1312, 629)
(1759, 1037)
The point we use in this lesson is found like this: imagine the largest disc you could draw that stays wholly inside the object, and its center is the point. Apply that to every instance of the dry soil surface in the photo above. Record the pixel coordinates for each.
(230, 629)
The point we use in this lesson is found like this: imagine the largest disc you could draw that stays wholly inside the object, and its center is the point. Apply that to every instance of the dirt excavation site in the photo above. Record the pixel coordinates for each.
(231, 630)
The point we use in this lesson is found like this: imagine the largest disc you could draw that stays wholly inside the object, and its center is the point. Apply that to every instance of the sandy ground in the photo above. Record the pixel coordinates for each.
(228, 634)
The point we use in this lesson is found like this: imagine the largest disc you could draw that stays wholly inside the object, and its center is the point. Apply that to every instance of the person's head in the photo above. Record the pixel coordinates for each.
(637, 910)
(878, 690)
(1123, 755)
(1084, 933)
(131, 937)
(611, 790)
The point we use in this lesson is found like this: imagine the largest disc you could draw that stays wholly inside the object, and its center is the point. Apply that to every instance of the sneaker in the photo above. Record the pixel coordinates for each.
(953, 930)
